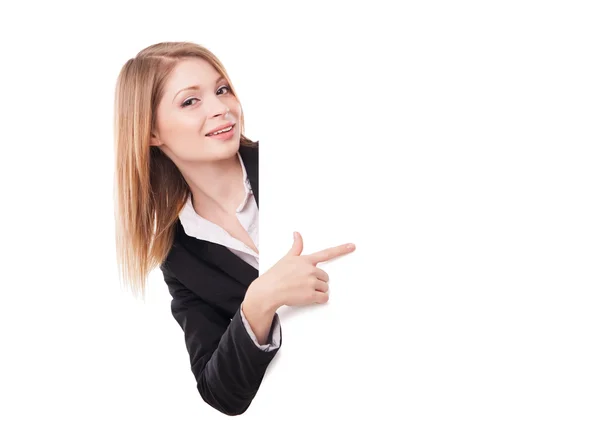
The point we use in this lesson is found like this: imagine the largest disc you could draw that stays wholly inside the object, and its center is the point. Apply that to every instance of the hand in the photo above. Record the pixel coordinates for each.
(295, 279)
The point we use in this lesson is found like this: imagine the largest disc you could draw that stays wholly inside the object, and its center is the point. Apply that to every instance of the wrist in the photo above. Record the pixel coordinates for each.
(259, 316)
(259, 303)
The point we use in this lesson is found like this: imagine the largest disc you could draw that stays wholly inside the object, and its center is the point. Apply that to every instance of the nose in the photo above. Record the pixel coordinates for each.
(219, 108)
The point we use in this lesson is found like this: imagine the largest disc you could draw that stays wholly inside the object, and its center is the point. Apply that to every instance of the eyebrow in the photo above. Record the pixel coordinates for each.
(196, 87)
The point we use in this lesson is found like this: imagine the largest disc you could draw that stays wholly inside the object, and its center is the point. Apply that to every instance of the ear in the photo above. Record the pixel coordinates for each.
(154, 140)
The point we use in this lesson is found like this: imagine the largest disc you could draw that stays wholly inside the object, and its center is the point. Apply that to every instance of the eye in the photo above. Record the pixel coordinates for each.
(187, 102)
(224, 87)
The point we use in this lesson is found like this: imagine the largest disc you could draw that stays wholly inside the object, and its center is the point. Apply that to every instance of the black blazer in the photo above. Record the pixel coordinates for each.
(208, 283)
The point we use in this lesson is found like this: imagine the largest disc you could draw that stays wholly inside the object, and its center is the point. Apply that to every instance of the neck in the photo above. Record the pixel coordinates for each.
(216, 186)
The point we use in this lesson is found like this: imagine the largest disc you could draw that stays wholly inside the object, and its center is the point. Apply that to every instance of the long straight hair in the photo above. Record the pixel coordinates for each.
(149, 191)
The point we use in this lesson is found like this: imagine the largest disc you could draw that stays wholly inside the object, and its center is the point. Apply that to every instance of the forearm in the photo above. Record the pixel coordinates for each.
(232, 376)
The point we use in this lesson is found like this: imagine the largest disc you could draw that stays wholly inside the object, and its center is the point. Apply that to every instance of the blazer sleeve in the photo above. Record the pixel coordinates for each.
(227, 364)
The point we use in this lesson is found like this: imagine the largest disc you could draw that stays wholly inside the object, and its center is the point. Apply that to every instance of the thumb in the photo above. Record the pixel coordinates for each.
(297, 246)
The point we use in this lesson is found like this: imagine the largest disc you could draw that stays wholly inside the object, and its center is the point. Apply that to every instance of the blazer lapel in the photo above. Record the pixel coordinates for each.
(218, 255)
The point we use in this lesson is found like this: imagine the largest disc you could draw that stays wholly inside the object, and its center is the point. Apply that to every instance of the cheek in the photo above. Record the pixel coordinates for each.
(234, 106)
(181, 128)
(185, 138)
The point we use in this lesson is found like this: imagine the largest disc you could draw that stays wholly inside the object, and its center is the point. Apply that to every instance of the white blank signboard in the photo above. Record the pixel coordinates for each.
(456, 144)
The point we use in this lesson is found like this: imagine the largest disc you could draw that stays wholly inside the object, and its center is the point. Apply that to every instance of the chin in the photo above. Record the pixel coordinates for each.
(229, 148)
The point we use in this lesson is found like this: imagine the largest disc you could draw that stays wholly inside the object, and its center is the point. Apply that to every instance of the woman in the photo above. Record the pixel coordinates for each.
(187, 201)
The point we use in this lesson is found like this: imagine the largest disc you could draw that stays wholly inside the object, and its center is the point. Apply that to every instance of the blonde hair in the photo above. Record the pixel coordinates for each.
(149, 189)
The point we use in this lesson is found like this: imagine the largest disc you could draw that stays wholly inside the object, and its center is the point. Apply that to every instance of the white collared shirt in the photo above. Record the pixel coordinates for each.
(247, 213)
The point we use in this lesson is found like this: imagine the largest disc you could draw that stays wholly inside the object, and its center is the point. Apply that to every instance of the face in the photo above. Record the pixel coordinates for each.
(195, 102)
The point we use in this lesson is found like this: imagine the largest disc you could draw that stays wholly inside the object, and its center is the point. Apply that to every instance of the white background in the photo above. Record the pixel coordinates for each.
(456, 143)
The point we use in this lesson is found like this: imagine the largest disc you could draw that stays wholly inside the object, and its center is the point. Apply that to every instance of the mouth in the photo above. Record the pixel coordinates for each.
(221, 131)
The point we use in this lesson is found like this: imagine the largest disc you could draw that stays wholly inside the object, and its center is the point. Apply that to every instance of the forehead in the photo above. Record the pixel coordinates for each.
(189, 72)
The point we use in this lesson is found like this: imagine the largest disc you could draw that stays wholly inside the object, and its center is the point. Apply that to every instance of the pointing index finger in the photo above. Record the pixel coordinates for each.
(330, 253)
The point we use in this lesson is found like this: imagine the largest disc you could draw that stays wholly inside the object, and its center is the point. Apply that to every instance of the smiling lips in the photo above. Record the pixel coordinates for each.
(221, 130)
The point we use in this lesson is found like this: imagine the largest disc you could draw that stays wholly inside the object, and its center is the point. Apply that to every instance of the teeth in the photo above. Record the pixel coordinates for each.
(221, 131)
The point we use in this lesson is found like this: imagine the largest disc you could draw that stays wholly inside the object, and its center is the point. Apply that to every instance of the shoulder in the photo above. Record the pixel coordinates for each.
(177, 254)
